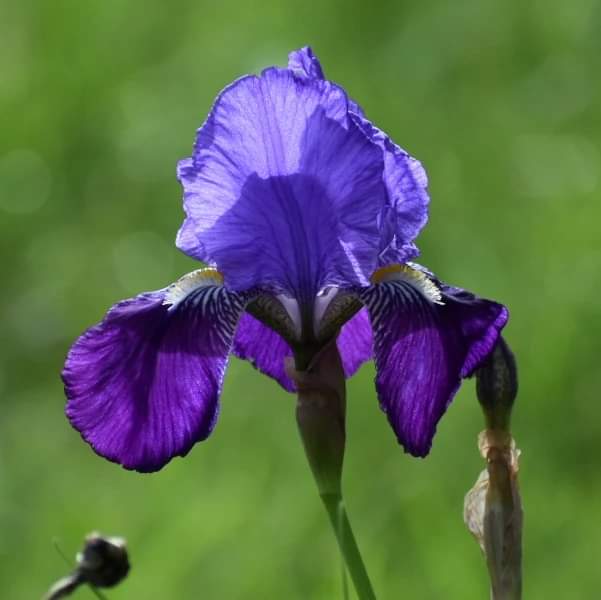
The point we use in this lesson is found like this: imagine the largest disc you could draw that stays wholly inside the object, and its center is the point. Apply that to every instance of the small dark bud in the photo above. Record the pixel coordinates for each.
(497, 386)
(103, 562)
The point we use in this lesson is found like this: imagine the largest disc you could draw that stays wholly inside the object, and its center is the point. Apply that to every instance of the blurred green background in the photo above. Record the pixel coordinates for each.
(500, 100)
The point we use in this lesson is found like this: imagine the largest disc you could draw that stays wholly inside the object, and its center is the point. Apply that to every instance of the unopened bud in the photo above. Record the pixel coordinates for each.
(102, 563)
(497, 386)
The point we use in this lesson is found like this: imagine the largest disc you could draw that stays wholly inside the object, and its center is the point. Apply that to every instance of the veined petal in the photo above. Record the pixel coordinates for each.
(305, 64)
(481, 323)
(355, 343)
(407, 185)
(404, 176)
(143, 385)
(267, 351)
(422, 350)
(284, 190)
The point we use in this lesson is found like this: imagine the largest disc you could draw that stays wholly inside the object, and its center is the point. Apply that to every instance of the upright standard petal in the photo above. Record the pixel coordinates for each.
(143, 385)
(423, 349)
(408, 199)
(284, 190)
(304, 62)
(404, 176)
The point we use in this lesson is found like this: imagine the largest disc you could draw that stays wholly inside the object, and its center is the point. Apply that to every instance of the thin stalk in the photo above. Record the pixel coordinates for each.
(343, 571)
(503, 524)
(493, 507)
(348, 545)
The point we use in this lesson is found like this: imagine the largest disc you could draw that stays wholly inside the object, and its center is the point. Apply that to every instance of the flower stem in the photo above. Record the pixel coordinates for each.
(320, 415)
(348, 545)
(493, 507)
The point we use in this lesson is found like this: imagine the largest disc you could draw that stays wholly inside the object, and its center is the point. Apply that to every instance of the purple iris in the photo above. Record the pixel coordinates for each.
(306, 214)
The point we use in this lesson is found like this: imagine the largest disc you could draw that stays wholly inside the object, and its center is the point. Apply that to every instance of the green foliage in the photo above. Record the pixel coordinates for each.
(500, 100)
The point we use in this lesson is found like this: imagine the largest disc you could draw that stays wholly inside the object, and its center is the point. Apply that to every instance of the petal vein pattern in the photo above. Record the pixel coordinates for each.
(406, 212)
(284, 190)
(143, 385)
(422, 350)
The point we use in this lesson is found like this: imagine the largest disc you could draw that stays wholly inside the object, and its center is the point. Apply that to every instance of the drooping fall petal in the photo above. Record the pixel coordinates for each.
(143, 385)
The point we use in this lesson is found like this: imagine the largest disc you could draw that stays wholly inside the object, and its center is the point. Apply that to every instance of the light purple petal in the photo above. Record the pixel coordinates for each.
(422, 350)
(404, 176)
(143, 385)
(305, 63)
(267, 351)
(407, 185)
(284, 191)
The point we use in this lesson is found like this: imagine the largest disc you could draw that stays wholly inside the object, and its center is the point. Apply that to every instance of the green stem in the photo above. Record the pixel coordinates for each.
(348, 545)
(320, 415)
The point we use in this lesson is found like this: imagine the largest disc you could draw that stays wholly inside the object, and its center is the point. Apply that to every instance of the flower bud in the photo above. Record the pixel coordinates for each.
(493, 507)
(497, 386)
(102, 563)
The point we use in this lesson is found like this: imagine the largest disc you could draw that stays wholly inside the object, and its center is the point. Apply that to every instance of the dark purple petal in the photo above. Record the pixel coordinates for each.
(422, 350)
(267, 351)
(481, 323)
(284, 191)
(305, 63)
(355, 343)
(143, 385)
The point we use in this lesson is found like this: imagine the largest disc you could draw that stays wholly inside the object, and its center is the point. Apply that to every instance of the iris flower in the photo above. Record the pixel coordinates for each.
(306, 215)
